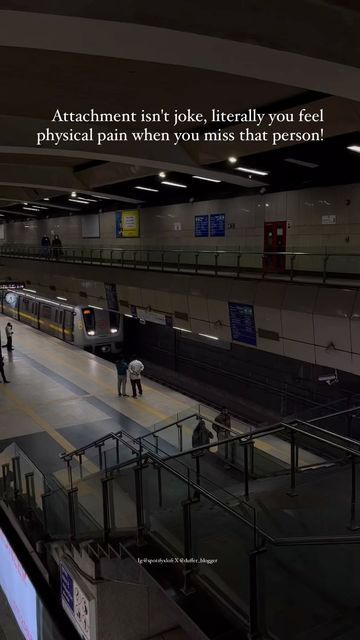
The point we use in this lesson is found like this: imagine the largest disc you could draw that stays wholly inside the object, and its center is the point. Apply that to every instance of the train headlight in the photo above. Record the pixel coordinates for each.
(91, 332)
(113, 330)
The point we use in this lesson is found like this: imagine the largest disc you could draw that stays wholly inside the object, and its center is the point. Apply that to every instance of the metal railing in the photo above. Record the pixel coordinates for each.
(230, 262)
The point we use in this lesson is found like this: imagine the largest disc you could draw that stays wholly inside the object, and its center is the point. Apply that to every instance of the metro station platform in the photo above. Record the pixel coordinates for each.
(61, 398)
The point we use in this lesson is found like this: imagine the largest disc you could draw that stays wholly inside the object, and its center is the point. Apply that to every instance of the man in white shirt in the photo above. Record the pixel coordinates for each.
(135, 370)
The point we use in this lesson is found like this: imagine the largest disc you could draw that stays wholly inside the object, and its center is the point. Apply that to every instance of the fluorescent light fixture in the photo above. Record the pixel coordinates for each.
(232, 159)
(147, 189)
(41, 207)
(78, 201)
(46, 198)
(128, 315)
(354, 147)
(30, 290)
(91, 332)
(25, 203)
(113, 330)
(73, 194)
(162, 174)
(302, 163)
(48, 301)
(207, 179)
(204, 335)
(86, 199)
(256, 171)
(31, 209)
(93, 307)
(174, 184)
(181, 329)
(60, 298)
(102, 197)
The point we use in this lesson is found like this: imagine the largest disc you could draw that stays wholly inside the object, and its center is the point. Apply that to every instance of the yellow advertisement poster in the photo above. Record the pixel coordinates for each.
(128, 224)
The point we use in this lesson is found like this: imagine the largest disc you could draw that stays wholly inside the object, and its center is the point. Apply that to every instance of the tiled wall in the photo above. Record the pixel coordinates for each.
(303, 211)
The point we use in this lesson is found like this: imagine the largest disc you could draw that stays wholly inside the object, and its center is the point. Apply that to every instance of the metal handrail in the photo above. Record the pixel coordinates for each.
(332, 433)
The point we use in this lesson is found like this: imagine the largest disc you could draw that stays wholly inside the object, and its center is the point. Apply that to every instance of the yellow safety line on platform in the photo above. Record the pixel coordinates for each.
(28, 410)
(106, 386)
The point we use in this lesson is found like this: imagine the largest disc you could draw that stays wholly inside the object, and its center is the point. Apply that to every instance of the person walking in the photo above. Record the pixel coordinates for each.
(2, 372)
(135, 370)
(122, 367)
(201, 435)
(9, 334)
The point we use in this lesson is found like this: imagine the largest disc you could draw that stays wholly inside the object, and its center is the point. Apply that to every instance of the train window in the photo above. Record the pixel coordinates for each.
(26, 303)
(46, 311)
(89, 321)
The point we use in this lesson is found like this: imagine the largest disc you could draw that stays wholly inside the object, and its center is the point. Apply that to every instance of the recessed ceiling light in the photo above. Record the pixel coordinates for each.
(147, 189)
(174, 184)
(256, 171)
(207, 179)
(60, 298)
(181, 329)
(31, 209)
(73, 194)
(162, 174)
(232, 159)
(302, 163)
(46, 198)
(25, 203)
(354, 147)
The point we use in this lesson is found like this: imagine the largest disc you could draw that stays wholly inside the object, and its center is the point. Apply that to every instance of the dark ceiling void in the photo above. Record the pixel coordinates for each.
(310, 165)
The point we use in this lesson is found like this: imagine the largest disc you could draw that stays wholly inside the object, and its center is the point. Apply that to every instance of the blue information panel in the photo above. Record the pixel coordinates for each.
(217, 225)
(201, 226)
(67, 588)
(242, 323)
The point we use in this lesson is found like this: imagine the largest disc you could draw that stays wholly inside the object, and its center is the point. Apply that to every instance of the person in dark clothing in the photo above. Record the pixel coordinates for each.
(122, 367)
(9, 334)
(201, 435)
(45, 246)
(222, 428)
(2, 372)
(56, 247)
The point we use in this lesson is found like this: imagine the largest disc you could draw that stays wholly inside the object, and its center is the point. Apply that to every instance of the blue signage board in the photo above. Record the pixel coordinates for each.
(217, 225)
(201, 226)
(118, 224)
(242, 323)
(67, 588)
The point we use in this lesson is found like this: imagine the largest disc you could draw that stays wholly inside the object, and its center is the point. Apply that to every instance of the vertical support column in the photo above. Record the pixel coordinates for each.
(353, 526)
(72, 511)
(246, 472)
(292, 491)
(180, 436)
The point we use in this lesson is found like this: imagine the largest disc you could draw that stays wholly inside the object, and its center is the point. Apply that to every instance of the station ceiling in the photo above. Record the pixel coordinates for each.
(41, 72)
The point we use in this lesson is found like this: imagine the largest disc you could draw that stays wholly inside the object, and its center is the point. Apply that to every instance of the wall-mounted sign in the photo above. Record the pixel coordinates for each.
(331, 219)
(242, 323)
(201, 226)
(154, 316)
(79, 608)
(18, 590)
(217, 225)
(127, 224)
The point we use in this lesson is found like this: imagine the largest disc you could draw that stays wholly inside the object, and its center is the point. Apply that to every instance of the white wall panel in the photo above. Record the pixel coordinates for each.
(299, 351)
(297, 326)
(335, 330)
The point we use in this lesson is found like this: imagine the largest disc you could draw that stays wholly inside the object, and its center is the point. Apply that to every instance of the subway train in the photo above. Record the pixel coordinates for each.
(96, 330)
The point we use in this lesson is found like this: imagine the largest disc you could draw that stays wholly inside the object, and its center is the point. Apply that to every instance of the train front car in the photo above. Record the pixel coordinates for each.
(98, 331)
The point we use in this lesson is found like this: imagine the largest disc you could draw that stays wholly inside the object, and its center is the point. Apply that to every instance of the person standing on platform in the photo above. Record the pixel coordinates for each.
(222, 427)
(201, 435)
(122, 367)
(56, 247)
(135, 370)
(2, 372)
(45, 246)
(9, 334)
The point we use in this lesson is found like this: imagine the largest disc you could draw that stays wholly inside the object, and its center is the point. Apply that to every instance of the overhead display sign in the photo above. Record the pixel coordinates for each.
(217, 225)
(242, 323)
(18, 590)
(127, 224)
(79, 608)
(201, 226)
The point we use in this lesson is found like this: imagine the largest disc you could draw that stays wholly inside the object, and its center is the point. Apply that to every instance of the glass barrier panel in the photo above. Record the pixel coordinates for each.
(343, 264)
(123, 501)
(56, 513)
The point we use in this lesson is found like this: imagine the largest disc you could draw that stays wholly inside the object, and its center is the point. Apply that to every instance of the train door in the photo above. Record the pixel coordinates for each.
(274, 243)
(68, 325)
